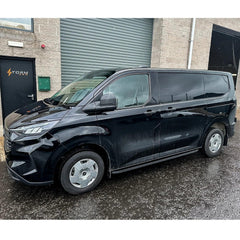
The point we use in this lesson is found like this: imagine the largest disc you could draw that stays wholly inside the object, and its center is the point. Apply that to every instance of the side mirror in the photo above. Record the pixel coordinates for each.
(108, 102)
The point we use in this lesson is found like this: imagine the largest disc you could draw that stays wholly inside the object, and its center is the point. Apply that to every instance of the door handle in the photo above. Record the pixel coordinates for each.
(31, 96)
(170, 109)
(150, 112)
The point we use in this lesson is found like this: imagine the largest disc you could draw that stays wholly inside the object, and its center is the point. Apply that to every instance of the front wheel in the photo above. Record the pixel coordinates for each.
(82, 172)
(213, 143)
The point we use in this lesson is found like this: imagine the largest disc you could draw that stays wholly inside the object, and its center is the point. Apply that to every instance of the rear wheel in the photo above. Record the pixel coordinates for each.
(82, 172)
(213, 143)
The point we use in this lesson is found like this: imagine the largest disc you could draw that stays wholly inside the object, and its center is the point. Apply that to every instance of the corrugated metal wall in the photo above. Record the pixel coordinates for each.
(90, 44)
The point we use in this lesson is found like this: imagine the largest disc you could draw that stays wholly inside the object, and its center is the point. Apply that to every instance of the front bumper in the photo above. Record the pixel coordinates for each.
(27, 161)
(18, 178)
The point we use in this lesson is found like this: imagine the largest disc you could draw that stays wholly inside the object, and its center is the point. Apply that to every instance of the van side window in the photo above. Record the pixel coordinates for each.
(174, 87)
(132, 90)
(215, 85)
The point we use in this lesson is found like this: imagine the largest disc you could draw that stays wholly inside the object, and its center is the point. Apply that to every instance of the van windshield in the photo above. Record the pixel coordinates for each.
(73, 93)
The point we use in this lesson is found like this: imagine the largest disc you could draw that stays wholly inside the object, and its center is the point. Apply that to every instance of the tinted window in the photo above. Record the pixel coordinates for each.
(174, 87)
(130, 91)
(215, 85)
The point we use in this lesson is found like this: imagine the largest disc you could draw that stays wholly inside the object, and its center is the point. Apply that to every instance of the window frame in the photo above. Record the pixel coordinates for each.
(100, 93)
(24, 30)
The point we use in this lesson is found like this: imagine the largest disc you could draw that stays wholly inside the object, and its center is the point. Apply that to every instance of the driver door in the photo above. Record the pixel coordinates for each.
(130, 126)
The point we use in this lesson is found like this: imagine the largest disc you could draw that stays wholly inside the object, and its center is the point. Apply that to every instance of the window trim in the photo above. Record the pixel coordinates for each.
(125, 75)
(24, 30)
(206, 102)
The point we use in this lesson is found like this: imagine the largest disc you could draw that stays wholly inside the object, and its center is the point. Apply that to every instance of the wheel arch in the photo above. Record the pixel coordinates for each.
(220, 124)
(82, 147)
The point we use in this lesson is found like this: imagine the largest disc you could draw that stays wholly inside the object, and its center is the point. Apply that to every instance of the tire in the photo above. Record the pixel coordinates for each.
(82, 172)
(213, 143)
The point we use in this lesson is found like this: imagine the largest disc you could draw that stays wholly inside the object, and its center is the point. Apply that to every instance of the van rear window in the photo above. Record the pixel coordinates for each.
(174, 87)
(215, 85)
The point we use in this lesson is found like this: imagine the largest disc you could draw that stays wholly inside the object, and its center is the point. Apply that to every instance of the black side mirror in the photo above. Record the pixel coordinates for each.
(108, 102)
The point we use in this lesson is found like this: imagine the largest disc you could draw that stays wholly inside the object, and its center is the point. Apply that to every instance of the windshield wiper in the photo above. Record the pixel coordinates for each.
(51, 101)
(47, 100)
(68, 105)
(58, 103)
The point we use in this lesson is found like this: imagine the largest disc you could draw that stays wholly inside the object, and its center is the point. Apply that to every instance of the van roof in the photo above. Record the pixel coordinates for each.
(203, 71)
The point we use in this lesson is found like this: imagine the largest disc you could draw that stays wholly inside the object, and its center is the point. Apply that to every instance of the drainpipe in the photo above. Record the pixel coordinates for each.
(191, 43)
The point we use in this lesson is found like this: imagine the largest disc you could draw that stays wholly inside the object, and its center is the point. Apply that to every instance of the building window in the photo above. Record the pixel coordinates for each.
(25, 24)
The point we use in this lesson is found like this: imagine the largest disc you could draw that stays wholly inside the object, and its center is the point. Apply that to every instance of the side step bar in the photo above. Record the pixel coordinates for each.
(121, 170)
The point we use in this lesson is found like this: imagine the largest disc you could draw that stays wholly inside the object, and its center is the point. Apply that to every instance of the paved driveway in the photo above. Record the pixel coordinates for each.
(191, 187)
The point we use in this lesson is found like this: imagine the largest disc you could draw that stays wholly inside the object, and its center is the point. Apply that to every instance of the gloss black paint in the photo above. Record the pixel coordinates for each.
(127, 138)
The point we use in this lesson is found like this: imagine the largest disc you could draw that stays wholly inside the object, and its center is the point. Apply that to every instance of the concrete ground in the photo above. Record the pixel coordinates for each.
(191, 187)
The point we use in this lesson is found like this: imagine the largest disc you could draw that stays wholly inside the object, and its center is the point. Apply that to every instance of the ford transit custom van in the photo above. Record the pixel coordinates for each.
(115, 120)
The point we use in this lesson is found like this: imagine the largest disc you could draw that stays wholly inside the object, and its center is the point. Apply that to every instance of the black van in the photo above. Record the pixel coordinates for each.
(115, 120)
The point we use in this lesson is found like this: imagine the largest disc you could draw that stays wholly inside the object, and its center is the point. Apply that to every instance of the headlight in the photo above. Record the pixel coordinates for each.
(35, 128)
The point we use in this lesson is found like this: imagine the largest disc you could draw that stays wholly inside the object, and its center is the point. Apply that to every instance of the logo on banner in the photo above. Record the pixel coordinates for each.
(9, 72)
(20, 73)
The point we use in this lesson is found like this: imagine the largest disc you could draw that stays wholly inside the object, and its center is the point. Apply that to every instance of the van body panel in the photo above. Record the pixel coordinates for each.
(131, 134)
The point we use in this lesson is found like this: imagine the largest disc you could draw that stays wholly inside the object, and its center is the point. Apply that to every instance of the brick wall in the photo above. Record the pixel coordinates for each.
(170, 42)
(47, 61)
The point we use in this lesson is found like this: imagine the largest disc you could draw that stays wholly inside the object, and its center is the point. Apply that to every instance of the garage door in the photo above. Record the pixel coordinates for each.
(90, 44)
